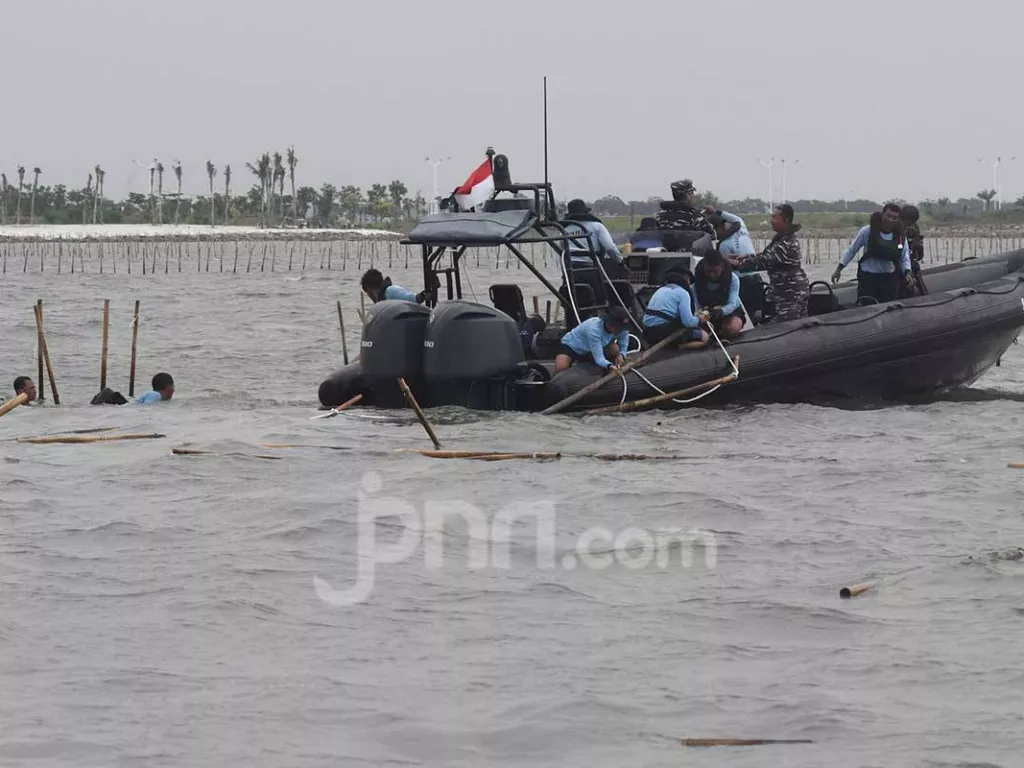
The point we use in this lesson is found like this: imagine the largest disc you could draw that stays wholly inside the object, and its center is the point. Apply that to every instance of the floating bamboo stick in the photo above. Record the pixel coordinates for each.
(419, 413)
(344, 343)
(303, 445)
(857, 589)
(41, 394)
(87, 438)
(46, 354)
(642, 358)
(739, 742)
(486, 455)
(135, 336)
(106, 333)
(634, 404)
(340, 408)
(195, 452)
(10, 405)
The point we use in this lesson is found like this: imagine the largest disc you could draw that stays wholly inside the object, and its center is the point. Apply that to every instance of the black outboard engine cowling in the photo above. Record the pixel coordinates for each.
(392, 347)
(473, 356)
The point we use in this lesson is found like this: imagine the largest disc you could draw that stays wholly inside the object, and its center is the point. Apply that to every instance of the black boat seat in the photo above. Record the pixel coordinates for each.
(587, 304)
(508, 298)
(821, 303)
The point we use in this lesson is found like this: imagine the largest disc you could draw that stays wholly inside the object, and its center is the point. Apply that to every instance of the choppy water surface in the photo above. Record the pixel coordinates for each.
(160, 610)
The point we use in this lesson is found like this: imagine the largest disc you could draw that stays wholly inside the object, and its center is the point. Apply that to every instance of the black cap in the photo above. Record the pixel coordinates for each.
(617, 315)
(577, 206)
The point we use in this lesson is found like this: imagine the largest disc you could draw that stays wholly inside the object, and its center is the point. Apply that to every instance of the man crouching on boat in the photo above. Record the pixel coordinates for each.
(380, 288)
(717, 289)
(671, 308)
(595, 340)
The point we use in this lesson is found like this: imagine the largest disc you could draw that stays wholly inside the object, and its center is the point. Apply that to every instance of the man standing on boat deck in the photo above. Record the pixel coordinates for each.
(380, 288)
(781, 259)
(595, 340)
(579, 219)
(680, 214)
(886, 258)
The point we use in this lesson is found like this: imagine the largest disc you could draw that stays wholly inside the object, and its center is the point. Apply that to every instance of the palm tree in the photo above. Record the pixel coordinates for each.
(95, 198)
(160, 192)
(35, 186)
(211, 171)
(262, 171)
(177, 175)
(292, 162)
(152, 192)
(85, 200)
(227, 192)
(278, 175)
(986, 196)
(3, 199)
(100, 178)
(21, 183)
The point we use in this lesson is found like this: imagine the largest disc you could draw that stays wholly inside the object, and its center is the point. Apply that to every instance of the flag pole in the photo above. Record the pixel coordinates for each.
(547, 187)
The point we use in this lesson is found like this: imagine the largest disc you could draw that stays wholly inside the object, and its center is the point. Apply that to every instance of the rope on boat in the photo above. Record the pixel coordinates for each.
(648, 382)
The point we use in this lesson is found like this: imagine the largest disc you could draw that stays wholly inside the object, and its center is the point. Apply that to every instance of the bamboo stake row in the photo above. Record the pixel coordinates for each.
(216, 256)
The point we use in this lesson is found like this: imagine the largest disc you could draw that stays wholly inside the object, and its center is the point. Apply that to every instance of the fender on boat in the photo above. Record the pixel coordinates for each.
(342, 385)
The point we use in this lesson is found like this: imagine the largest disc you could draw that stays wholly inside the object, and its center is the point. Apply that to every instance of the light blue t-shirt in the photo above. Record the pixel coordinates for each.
(875, 266)
(740, 243)
(598, 235)
(671, 300)
(398, 293)
(592, 337)
(149, 397)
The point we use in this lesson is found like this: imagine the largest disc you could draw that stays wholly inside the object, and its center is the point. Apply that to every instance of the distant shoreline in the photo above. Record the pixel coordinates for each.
(121, 233)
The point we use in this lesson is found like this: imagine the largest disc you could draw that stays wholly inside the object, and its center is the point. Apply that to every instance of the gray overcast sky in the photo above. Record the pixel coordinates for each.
(883, 99)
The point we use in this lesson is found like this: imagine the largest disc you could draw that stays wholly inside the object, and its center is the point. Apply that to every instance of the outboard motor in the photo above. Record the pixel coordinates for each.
(392, 347)
(473, 357)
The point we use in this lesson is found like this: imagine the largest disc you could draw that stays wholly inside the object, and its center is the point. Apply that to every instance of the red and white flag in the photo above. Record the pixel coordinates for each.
(477, 188)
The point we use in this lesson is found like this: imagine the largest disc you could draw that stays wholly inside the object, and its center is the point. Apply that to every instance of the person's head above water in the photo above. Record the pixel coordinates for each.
(782, 218)
(713, 264)
(164, 384)
(615, 320)
(26, 385)
(890, 217)
(683, 191)
(372, 283)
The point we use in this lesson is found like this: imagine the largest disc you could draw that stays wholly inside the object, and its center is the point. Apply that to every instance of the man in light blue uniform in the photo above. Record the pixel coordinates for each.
(595, 340)
(163, 389)
(379, 288)
(732, 233)
(886, 258)
(670, 309)
(583, 221)
(716, 288)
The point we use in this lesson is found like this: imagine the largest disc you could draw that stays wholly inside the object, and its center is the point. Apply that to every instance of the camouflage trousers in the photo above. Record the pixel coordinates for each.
(790, 293)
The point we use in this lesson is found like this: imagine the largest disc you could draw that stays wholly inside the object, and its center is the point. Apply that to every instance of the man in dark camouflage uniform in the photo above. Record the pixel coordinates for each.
(680, 214)
(781, 259)
(915, 241)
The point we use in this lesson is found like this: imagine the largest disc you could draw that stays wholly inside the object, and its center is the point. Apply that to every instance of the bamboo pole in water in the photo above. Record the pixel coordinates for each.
(419, 412)
(740, 742)
(76, 439)
(106, 334)
(857, 589)
(41, 391)
(344, 343)
(135, 336)
(46, 356)
(10, 405)
(634, 404)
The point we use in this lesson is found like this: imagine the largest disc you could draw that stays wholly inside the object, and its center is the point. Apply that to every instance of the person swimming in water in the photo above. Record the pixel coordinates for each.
(163, 389)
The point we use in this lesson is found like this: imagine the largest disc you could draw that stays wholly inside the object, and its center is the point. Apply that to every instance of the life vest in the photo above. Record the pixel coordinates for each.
(884, 250)
(712, 294)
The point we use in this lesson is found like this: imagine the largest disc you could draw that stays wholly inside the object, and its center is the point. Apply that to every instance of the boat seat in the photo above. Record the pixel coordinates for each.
(508, 298)
(586, 304)
(821, 303)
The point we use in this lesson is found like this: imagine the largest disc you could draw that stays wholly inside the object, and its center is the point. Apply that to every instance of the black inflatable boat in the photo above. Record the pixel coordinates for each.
(456, 352)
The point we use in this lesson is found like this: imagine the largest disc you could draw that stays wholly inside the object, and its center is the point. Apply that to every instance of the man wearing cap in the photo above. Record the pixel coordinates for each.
(731, 232)
(595, 340)
(581, 221)
(671, 308)
(679, 213)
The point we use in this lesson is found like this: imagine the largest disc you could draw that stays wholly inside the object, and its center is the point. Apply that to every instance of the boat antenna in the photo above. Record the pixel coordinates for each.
(547, 186)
